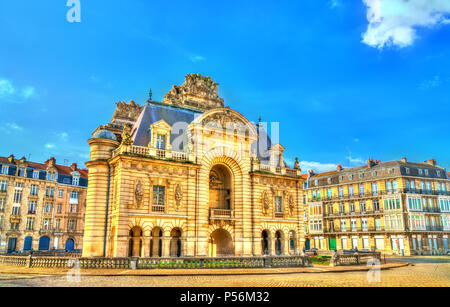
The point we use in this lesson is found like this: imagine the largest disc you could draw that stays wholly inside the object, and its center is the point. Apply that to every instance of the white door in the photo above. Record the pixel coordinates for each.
(414, 243)
(55, 243)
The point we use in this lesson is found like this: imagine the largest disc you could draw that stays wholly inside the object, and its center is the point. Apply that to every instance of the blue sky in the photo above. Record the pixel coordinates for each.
(347, 80)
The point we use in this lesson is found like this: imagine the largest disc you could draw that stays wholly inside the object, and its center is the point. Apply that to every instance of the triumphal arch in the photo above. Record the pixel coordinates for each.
(190, 177)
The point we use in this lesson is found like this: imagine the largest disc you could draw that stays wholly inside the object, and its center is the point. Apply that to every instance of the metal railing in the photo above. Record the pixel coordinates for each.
(160, 263)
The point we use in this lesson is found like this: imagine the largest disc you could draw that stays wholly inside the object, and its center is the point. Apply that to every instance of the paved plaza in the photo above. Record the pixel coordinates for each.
(425, 271)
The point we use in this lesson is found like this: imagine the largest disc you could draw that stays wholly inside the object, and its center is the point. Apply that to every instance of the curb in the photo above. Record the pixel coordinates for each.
(230, 273)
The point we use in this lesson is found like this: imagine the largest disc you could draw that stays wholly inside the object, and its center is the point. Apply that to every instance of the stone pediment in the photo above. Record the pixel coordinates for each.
(197, 92)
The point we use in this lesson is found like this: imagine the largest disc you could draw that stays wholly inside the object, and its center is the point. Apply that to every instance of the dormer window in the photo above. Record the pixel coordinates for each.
(5, 169)
(35, 174)
(75, 180)
(426, 172)
(20, 172)
(420, 171)
(161, 142)
(160, 138)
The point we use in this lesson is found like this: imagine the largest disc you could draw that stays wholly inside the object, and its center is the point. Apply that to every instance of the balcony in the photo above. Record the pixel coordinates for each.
(275, 169)
(279, 215)
(221, 213)
(31, 211)
(152, 152)
(49, 198)
(159, 209)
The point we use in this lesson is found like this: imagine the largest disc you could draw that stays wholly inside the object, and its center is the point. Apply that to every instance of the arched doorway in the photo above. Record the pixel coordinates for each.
(175, 243)
(221, 244)
(265, 245)
(220, 190)
(70, 244)
(279, 243)
(44, 244)
(135, 242)
(27, 244)
(156, 242)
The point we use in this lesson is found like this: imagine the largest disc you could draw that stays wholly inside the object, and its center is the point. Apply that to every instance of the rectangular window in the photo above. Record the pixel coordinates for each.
(59, 208)
(46, 224)
(361, 190)
(57, 224)
(35, 174)
(376, 205)
(278, 204)
(158, 198)
(30, 223)
(15, 210)
(2, 204)
(3, 186)
(17, 195)
(20, 172)
(374, 188)
(350, 191)
(48, 208)
(34, 189)
(161, 142)
(352, 207)
(32, 207)
(395, 186)
(362, 206)
(364, 224)
(75, 180)
(72, 225)
(60, 193)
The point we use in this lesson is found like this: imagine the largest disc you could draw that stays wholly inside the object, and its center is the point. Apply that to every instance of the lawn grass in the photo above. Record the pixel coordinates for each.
(324, 260)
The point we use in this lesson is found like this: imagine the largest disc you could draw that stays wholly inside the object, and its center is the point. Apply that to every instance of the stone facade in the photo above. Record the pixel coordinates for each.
(396, 207)
(191, 177)
(41, 205)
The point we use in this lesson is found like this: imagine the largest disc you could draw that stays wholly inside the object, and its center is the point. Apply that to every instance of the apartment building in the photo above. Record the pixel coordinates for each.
(397, 207)
(42, 205)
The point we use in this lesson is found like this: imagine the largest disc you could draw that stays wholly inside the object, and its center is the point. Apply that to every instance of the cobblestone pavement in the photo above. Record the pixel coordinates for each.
(421, 274)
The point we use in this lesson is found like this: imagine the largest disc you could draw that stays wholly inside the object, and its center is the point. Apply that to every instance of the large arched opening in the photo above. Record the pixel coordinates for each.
(156, 242)
(220, 190)
(265, 242)
(221, 243)
(135, 242)
(175, 243)
(279, 243)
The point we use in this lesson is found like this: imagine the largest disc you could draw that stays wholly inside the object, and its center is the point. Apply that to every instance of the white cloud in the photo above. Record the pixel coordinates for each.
(394, 22)
(10, 92)
(354, 161)
(64, 136)
(334, 3)
(50, 146)
(6, 88)
(196, 58)
(318, 167)
(430, 84)
(11, 127)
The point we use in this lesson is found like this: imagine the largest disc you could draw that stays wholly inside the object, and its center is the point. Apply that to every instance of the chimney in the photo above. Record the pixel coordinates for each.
(11, 158)
(73, 167)
(339, 168)
(369, 163)
(404, 160)
(432, 162)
